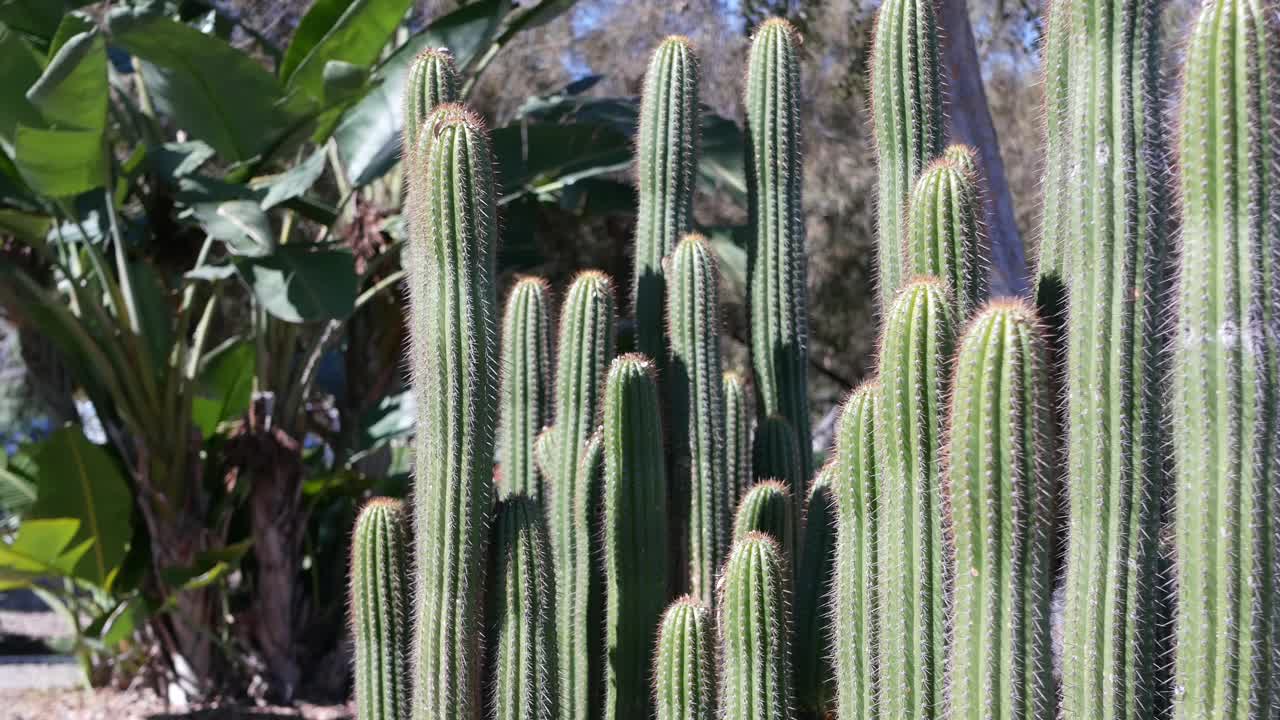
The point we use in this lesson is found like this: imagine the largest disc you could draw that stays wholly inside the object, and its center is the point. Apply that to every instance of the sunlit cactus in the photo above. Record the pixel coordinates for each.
(432, 81)
(526, 384)
(379, 610)
(684, 676)
(755, 627)
(944, 233)
(766, 508)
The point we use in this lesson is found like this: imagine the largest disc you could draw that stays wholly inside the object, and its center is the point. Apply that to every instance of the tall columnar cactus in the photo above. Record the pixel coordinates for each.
(906, 100)
(521, 632)
(666, 158)
(526, 384)
(914, 373)
(684, 677)
(1002, 500)
(815, 568)
(453, 331)
(855, 620)
(755, 664)
(774, 454)
(697, 412)
(766, 508)
(379, 610)
(944, 234)
(1226, 374)
(635, 534)
(584, 350)
(738, 415)
(1050, 281)
(432, 81)
(777, 266)
(1114, 649)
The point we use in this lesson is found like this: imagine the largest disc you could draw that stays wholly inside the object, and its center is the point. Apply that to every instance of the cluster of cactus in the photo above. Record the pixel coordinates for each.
(914, 575)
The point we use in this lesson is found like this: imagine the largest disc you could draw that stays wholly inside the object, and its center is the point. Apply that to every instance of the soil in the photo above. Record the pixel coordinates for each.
(142, 705)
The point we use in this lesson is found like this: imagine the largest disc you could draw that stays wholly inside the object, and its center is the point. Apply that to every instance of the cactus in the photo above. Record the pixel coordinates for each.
(766, 508)
(635, 534)
(584, 349)
(1115, 653)
(521, 627)
(944, 236)
(906, 100)
(379, 610)
(914, 371)
(737, 433)
(684, 677)
(450, 261)
(1001, 497)
(776, 260)
(815, 678)
(697, 412)
(432, 81)
(526, 384)
(855, 618)
(774, 454)
(1226, 373)
(755, 667)
(1050, 265)
(666, 158)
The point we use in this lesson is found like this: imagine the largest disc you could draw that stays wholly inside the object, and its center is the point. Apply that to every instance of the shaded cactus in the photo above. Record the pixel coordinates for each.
(774, 454)
(666, 158)
(1002, 502)
(777, 272)
(684, 677)
(754, 624)
(521, 633)
(855, 619)
(738, 413)
(944, 235)
(526, 384)
(914, 372)
(432, 81)
(815, 568)
(906, 102)
(635, 534)
(766, 508)
(1226, 372)
(453, 355)
(697, 412)
(379, 610)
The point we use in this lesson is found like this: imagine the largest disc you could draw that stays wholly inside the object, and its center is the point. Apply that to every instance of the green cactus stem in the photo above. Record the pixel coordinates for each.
(815, 676)
(635, 534)
(1002, 502)
(944, 232)
(766, 508)
(684, 678)
(754, 624)
(453, 355)
(1226, 371)
(738, 413)
(774, 454)
(526, 384)
(432, 81)
(379, 610)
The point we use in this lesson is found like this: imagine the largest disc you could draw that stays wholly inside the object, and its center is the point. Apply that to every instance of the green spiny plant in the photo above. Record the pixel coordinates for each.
(666, 158)
(944, 235)
(1002, 503)
(906, 100)
(521, 633)
(766, 508)
(1050, 283)
(737, 433)
(915, 351)
(526, 384)
(965, 159)
(450, 263)
(379, 610)
(684, 678)
(635, 534)
(697, 412)
(777, 270)
(754, 624)
(1226, 371)
(855, 619)
(433, 81)
(774, 454)
(815, 677)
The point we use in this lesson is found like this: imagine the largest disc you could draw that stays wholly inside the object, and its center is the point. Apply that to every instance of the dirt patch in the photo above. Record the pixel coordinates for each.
(143, 705)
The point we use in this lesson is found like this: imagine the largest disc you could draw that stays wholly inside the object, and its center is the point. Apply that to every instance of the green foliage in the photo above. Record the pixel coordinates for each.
(380, 610)
(766, 508)
(815, 573)
(526, 384)
(944, 237)
(684, 676)
(755, 626)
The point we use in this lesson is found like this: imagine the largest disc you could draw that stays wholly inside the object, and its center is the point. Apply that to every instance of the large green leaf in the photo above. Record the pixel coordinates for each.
(297, 285)
(60, 163)
(348, 31)
(42, 549)
(25, 226)
(19, 68)
(17, 486)
(72, 91)
(213, 91)
(79, 480)
(37, 18)
(535, 157)
(294, 182)
(226, 387)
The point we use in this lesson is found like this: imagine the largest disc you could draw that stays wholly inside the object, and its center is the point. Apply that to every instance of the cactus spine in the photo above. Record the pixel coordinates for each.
(379, 610)
(1114, 654)
(815, 679)
(944, 237)
(1226, 375)
(526, 384)
(684, 678)
(766, 508)
(755, 680)
(666, 157)
(696, 386)
(914, 370)
(776, 259)
(521, 629)
(433, 81)
(635, 534)
(906, 99)
(855, 618)
(1001, 496)
(737, 433)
